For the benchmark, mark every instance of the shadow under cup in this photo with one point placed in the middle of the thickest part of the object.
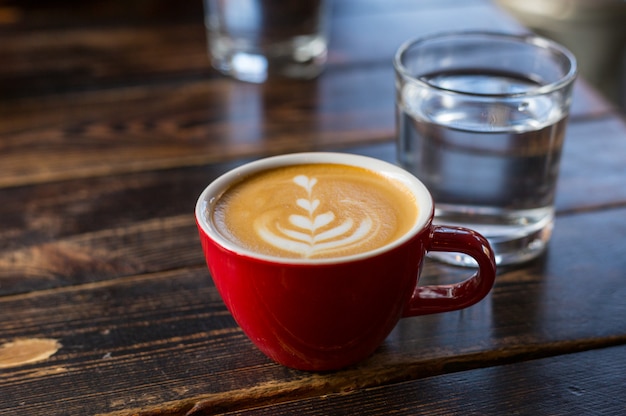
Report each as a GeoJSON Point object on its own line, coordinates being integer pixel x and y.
{"type": "Point", "coordinates": [325, 314]}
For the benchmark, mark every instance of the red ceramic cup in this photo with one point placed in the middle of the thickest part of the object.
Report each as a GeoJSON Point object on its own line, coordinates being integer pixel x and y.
{"type": "Point", "coordinates": [325, 314]}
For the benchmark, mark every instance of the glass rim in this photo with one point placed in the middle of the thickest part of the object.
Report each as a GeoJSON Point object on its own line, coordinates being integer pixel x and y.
{"type": "Point", "coordinates": [526, 38]}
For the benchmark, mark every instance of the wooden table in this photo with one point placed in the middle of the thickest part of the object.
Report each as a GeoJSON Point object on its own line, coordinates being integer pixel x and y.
{"type": "Point", "coordinates": [112, 122]}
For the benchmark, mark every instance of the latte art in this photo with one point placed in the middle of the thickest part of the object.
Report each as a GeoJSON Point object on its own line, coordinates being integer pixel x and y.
{"type": "Point", "coordinates": [315, 233]}
{"type": "Point", "coordinates": [315, 211]}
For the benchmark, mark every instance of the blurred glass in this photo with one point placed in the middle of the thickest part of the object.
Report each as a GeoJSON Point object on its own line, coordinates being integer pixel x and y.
{"type": "Point", "coordinates": [252, 40]}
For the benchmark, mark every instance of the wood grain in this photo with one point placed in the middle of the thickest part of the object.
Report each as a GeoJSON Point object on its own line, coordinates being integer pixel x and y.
{"type": "Point", "coordinates": [111, 124]}
{"type": "Point", "coordinates": [164, 341]}
{"type": "Point", "coordinates": [116, 97]}
{"type": "Point", "coordinates": [196, 124]}
{"type": "Point", "coordinates": [564, 385]}
{"type": "Point", "coordinates": [73, 231]}
{"type": "Point", "coordinates": [114, 53]}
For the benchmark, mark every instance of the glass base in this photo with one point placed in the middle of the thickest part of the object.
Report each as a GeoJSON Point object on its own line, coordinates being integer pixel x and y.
{"type": "Point", "coordinates": [302, 57]}
{"type": "Point", "coordinates": [515, 238]}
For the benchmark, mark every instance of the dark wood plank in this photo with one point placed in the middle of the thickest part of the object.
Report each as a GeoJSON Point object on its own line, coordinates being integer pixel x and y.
{"type": "Point", "coordinates": [61, 58]}
{"type": "Point", "coordinates": [205, 122]}
{"type": "Point", "coordinates": [52, 61]}
{"type": "Point", "coordinates": [588, 383]}
{"type": "Point", "coordinates": [34, 14]}
{"type": "Point", "coordinates": [112, 46]}
{"type": "Point", "coordinates": [89, 219]}
{"type": "Point", "coordinates": [593, 149]}
{"type": "Point", "coordinates": [110, 128]}
{"type": "Point", "coordinates": [164, 342]}
{"type": "Point", "coordinates": [92, 100]}
{"type": "Point", "coordinates": [88, 230]}
{"type": "Point", "coordinates": [72, 232]}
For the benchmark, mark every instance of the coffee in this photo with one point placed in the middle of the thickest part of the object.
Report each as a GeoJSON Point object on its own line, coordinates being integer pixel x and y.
{"type": "Point", "coordinates": [315, 211]}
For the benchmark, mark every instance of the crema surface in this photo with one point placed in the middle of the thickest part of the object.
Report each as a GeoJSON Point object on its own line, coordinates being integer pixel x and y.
{"type": "Point", "coordinates": [315, 211]}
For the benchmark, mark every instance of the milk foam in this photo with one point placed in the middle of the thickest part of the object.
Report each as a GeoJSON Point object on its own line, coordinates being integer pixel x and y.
{"type": "Point", "coordinates": [302, 235]}
{"type": "Point", "coordinates": [315, 211]}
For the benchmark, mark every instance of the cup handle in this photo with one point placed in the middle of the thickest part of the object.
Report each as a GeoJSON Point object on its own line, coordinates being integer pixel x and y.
{"type": "Point", "coordinates": [445, 298]}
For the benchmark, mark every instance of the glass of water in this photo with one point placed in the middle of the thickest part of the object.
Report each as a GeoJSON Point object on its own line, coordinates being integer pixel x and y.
{"type": "Point", "coordinates": [481, 119]}
{"type": "Point", "coordinates": [253, 40]}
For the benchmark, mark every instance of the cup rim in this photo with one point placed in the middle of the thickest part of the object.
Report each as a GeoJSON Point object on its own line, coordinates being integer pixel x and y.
{"type": "Point", "coordinates": [211, 194]}
{"type": "Point", "coordinates": [527, 38]}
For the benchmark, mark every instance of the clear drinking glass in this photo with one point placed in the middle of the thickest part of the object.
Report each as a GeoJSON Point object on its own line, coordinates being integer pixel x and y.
{"type": "Point", "coordinates": [481, 119]}
{"type": "Point", "coordinates": [252, 40]}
